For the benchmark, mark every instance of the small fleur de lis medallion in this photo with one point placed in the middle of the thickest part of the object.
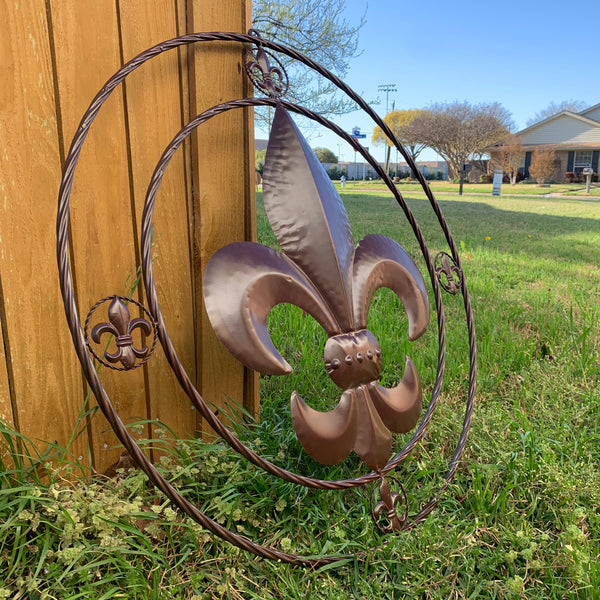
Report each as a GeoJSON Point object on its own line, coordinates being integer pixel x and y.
{"type": "Point", "coordinates": [270, 80]}
{"type": "Point", "coordinates": [449, 275]}
{"type": "Point", "coordinates": [122, 326]}
{"type": "Point", "coordinates": [386, 509]}
{"type": "Point", "coordinates": [321, 271]}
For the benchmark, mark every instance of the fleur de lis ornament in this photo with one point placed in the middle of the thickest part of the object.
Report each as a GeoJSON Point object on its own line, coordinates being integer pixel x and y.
{"type": "Point", "coordinates": [122, 326]}
{"type": "Point", "coordinates": [321, 271]}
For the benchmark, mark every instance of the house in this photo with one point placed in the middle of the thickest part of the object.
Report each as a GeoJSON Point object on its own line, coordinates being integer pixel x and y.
{"type": "Point", "coordinates": [575, 138]}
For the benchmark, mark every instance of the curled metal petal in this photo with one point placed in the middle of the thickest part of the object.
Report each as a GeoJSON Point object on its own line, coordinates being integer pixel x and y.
{"type": "Point", "coordinates": [242, 283]}
{"type": "Point", "coordinates": [373, 441]}
{"type": "Point", "coordinates": [381, 262]}
{"type": "Point", "coordinates": [399, 407]}
{"type": "Point", "coordinates": [308, 217]}
{"type": "Point", "coordinates": [327, 436]}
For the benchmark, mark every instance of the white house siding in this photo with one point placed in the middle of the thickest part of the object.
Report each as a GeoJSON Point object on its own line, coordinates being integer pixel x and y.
{"type": "Point", "coordinates": [593, 113]}
{"type": "Point", "coordinates": [564, 130]}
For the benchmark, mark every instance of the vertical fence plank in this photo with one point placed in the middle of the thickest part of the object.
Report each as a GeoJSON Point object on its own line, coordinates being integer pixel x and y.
{"type": "Point", "coordinates": [6, 407]}
{"type": "Point", "coordinates": [154, 110]}
{"type": "Point", "coordinates": [221, 195]}
{"type": "Point", "coordinates": [86, 36]}
{"type": "Point", "coordinates": [58, 55]}
{"type": "Point", "coordinates": [47, 385]}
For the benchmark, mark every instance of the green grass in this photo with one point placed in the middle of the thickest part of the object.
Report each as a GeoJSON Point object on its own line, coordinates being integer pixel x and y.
{"type": "Point", "coordinates": [521, 520]}
{"type": "Point", "coordinates": [441, 187]}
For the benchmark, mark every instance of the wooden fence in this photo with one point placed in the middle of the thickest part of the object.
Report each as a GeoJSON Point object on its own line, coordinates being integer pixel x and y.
{"type": "Point", "coordinates": [55, 56]}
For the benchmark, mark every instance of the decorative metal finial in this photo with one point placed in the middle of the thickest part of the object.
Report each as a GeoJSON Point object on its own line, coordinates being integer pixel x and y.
{"type": "Point", "coordinates": [387, 508]}
{"type": "Point", "coordinates": [448, 273]}
{"type": "Point", "coordinates": [270, 80]}
{"type": "Point", "coordinates": [121, 326]}
{"type": "Point", "coordinates": [321, 271]}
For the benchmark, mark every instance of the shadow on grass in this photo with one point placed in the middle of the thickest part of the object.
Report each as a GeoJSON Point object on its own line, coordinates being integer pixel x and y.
{"type": "Point", "coordinates": [538, 234]}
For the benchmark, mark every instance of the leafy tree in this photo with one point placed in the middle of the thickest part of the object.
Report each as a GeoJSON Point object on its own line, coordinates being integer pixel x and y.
{"type": "Point", "coordinates": [259, 160]}
{"type": "Point", "coordinates": [542, 164]}
{"type": "Point", "coordinates": [459, 130]}
{"type": "Point", "coordinates": [318, 29]}
{"type": "Point", "coordinates": [399, 122]}
{"type": "Point", "coordinates": [510, 155]}
{"type": "Point", "coordinates": [325, 155]}
{"type": "Point", "coordinates": [553, 109]}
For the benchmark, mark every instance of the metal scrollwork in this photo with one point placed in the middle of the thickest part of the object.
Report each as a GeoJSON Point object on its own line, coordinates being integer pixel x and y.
{"type": "Point", "coordinates": [320, 269]}
{"type": "Point", "coordinates": [448, 273]}
{"type": "Point", "coordinates": [121, 326]}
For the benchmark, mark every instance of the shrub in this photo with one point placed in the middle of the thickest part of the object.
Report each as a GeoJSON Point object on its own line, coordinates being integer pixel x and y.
{"type": "Point", "coordinates": [486, 178]}
{"type": "Point", "coordinates": [334, 173]}
{"type": "Point", "coordinates": [571, 177]}
{"type": "Point", "coordinates": [542, 164]}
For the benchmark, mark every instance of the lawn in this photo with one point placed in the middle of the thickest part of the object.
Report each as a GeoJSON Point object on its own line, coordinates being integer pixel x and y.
{"type": "Point", "coordinates": [521, 520]}
{"type": "Point", "coordinates": [441, 187]}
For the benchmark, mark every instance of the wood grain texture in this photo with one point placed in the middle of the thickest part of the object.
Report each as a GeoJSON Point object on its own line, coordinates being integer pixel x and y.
{"type": "Point", "coordinates": [86, 36]}
{"type": "Point", "coordinates": [222, 191]}
{"type": "Point", "coordinates": [46, 378]}
{"type": "Point", "coordinates": [154, 111]}
{"type": "Point", "coordinates": [57, 55]}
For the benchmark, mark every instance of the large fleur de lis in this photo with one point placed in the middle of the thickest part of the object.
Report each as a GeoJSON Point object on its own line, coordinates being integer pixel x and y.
{"type": "Point", "coordinates": [321, 271]}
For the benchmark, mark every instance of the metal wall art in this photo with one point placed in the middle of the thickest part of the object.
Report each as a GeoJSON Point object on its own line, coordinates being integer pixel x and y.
{"type": "Point", "coordinates": [319, 269]}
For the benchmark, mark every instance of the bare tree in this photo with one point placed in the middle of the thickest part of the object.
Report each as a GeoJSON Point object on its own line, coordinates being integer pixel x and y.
{"type": "Point", "coordinates": [510, 157]}
{"type": "Point", "coordinates": [319, 29]}
{"type": "Point", "coordinates": [553, 109]}
{"type": "Point", "coordinates": [399, 122]}
{"type": "Point", "coordinates": [459, 130]}
{"type": "Point", "coordinates": [542, 164]}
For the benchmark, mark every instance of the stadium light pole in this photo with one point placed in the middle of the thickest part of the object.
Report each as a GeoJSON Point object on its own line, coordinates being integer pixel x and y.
{"type": "Point", "coordinates": [387, 88]}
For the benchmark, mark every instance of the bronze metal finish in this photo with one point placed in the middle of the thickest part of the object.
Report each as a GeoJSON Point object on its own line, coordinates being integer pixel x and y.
{"type": "Point", "coordinates": [448, 273]}
{"type": "Point", "coordinates": [342, 301]}
{"type": "Point", "coordinates": [321, 271]}
{"type": "Point", "coordinates": [270, 80]}
{"type": "Point", "coordinates": [121, 326]}
{"type": "Point", "coordinates": [387, 507]}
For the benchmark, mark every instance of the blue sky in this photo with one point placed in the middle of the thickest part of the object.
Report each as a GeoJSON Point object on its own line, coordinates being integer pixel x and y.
{"type": "Point", "coordinates": [522, 54]}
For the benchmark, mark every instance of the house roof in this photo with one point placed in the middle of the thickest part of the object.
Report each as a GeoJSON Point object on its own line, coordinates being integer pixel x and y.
{"type": "Point", "coordinates": [564, 113]}
{"type": "Point", "coordinates": [261, 144]}
{"type": "Point", "coordinates": [583, 132]}
{"type": "Point", "coordinates": [589, 109]}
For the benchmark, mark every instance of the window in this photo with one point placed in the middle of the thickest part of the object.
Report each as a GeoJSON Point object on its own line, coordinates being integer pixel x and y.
{"type": "Point", "coordinates": [582, 159]}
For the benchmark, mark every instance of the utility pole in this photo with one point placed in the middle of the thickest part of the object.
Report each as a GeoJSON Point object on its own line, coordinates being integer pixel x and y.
{"type": "Point", "coordinates": [387, 88]}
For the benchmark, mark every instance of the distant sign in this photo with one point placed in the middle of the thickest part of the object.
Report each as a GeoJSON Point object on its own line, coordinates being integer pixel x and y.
{"type": "Point", "coordinates": [357, 135]}
{"type": "Point", "coordinates": [497, 183]}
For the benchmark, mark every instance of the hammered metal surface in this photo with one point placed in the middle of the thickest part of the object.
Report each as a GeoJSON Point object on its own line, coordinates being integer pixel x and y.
{"type": "Point", "coordinates": [320, 270]}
